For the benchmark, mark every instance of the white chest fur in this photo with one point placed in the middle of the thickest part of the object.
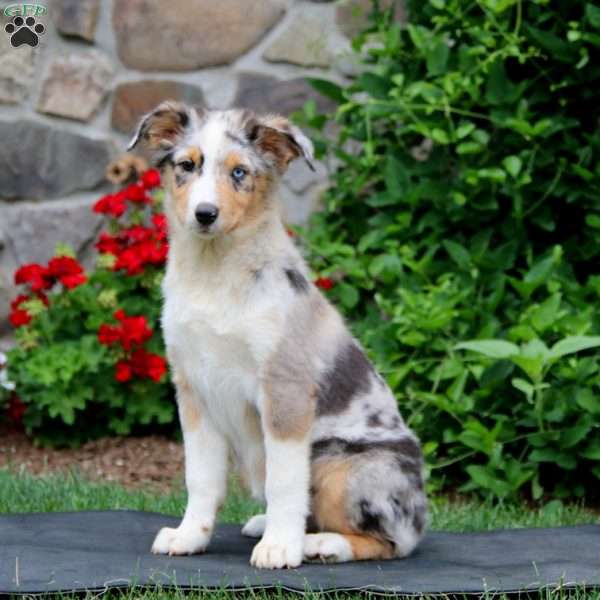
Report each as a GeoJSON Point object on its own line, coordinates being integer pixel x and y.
{"type": "Point", "coordinates": [220, 333]}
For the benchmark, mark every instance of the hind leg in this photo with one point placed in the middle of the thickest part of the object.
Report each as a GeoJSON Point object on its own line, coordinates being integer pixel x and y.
{"type": "Point", "coordinates": [339, 547]}
{"type": "Point", "coordinates": [368, 506]}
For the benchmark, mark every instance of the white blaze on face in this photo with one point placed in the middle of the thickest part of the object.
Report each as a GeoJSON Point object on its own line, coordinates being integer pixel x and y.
{"type": "Point", "coordinates": [212, 141]}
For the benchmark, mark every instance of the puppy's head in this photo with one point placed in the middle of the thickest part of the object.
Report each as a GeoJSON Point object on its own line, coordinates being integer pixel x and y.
{"type": "Point", "coordinates": [219, 167]}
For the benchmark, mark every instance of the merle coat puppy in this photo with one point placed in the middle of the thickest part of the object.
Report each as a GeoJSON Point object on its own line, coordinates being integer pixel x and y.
{"type": "Point", "coordinates": [266, 371]}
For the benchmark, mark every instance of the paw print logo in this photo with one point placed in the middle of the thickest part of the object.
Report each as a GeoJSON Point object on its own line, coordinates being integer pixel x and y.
{"type": "Point", "coordinates": [24, 31]}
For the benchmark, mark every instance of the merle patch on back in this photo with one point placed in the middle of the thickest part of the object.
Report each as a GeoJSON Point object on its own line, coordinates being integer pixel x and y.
{"type": "Point", "coordinates": [350, 375]}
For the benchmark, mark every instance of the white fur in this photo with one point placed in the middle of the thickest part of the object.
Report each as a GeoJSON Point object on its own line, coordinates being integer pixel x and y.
{"type": "Point", "coordinates": [206, 478]}
{"type": "Point", "coordinates": [255, 526]}
{"type": "Point", "coordinates": [327, 547]}
{"type": "Point", "coordinates": [287, 491]}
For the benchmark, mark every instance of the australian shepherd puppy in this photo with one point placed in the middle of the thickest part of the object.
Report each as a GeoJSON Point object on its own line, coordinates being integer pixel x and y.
{"type": "Point", "coordinates": [267, 374]}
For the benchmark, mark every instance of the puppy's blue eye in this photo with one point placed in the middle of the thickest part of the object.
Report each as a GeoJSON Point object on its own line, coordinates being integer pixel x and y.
{"type": "Point", "coordinates": [238, 173]}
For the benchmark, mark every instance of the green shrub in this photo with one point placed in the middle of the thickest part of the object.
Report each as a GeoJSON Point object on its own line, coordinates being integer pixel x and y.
{"type": "Point", "coordinates": [465, 206]}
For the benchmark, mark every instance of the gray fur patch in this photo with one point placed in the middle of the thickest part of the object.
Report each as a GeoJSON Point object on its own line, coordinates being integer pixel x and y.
{"type": "Point", "coordinates": [350, 375]}
{"type": "Point", "coordinates": [297, 280]}
{"type": "Point", "coordinates": [406, 447]}
{"type": "Point", "coordinates": [181, 177]}
{"type": "Point", "coordinates": [370, 518]}
{"type": "Point", "coordinates": [374, 420]}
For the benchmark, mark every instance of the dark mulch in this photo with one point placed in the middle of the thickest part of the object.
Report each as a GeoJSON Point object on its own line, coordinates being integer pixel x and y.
{"type": "Point", "coordinates": [135, 462]}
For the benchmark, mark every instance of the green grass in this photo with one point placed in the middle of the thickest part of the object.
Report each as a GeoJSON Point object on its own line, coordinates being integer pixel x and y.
{"type": "Point", "coordinates": [25, 493]}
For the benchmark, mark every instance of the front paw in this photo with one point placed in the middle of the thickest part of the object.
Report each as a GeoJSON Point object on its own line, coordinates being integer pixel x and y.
{"type": "Point", "coordinates": [273, 554]}
{"type": "Point", "coordinates": [181, 541]}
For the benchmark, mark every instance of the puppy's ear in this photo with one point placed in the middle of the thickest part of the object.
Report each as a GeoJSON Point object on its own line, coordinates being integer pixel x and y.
{"type": "Point", "coordinates": [279, 140]}
{"type": "Point", "coordinates": [160, 129]}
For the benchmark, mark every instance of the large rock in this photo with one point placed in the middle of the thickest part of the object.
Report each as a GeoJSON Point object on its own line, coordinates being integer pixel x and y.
{"type": "Point", "coordinates": [76, 18]}
{"type": "Point", "coordinates": [305, 42]}
{"type": "Point", "coordinates": [30, 232]}
{"type": "Point", "coordinates": [352, 16]}
{"type": "Point", "coordinates": [156, 35]}
{"type": "Point", "coordinates": [17, 70]}
{"type": "Point", "coordinates": [132, 100]}
{"type": "Point", "coordinates": [296, 209]}
{"type": "Point", "coordinates": [38, 161]}
{"type": "Point", "coordinates": [263, 94]}
{"type": "Point", "coordinates": [75, 85]}
{"type": "Point", "coordinates": [33, 229]}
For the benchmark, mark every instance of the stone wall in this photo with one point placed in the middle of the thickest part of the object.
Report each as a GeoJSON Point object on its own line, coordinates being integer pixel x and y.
{"type": "Point", "coordinates": [68, 105]}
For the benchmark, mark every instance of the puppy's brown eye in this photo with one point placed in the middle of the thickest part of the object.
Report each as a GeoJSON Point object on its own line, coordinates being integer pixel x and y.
{"type": "Point", "coordinates": [187, 165]}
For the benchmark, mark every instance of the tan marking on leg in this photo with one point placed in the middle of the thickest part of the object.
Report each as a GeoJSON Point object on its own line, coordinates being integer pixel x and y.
{"type": "Point", "coordinates": [189, 411]}
{"type": "Point", "coordinates": [290, 409]}
{"type": "Point", "coordinates": [329, 480]}
{"type": "Point", "coordinates": [367, 547]}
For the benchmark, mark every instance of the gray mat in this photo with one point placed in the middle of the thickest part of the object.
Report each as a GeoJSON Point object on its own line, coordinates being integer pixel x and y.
{"type": "Point", "coordinates": [97, 550]}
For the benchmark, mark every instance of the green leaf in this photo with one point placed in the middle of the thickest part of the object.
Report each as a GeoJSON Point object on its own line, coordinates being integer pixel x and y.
{"type": "Point", "coordinates": [578, 432]}
{"type": "Point", "coordinates": [513, 165]}
{"type": "Point", "coordinates": [593, 221]}
{"type": "Point", "coordinates": [440, 136]}
{"type": "Point", "coordinates": [545, 314]}
{"type": "Point", "coordinates": [588, 400]}
{"type": "Point", "coordinates": [469, 148]}
{"type": "Point", "coordinates": [552, 455]}
{"type": "Point", "coordinates": [573, 344]}
{"type": "Point", "coordinates": [490, 348]}
{"type": "Point", "coordinates": [437, 57]}
{"type": "Point", "coordinates": [554, 45]}
{"type": "Point", "coordinates": [592, 14]}
{"type": "Point", "coordinates": [464, 129]}
{"type": "Point", "coordinates": [459, 254]}
{"type": "Point", "coordinates": [592, 450]}
{"type": "Point", "coordinates": [486, 478]}
{"type": "Point", "coordinates": [395, 177]}
{"type": "Point", "coordinates": [523, 386]}
{"type": "Point", "coordinates": [348, 295]}
{"type": "Point", "coordinates": [327, 88]}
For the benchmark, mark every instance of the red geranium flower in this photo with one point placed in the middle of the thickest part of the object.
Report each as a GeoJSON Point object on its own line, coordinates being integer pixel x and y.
{"type": "Point", "coordinates": [108, 244]}
{"type": "Point", "coordinates": [146, 364]}
{"type": "Point", "coordinates": [137, 193]}
{"type": "Point", "coordinates": [35, 275]}
{"type": "Point", "coordinates": [111, 204]}
{"type": "Point", "coordinates": [16, 409]}
{"type": "Point", "coordinates": [123, 371]}
{"type": "Point", "coordinates": [324, 283]}
{"type": "Point", "coordinates": [134, 331]}
{"type": "Point", "coordinates": [129, 260]}
{"type": "Point", "coordinates": [19, 317]}
{"type": "Point", "coordinates": [67, 270]}
{"type": "Point", "coordinates": [160, 221]}
{"type": "Point", "coordinates": [136, 233]}
{"type": "Point", "coordinates": [150, 179]}
{"type": "Point", "coordinates": [109, 334]}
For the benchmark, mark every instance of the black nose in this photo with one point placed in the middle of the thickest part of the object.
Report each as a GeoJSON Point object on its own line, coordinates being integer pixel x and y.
{"type": "Point", "coordinates": [206, 214]}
